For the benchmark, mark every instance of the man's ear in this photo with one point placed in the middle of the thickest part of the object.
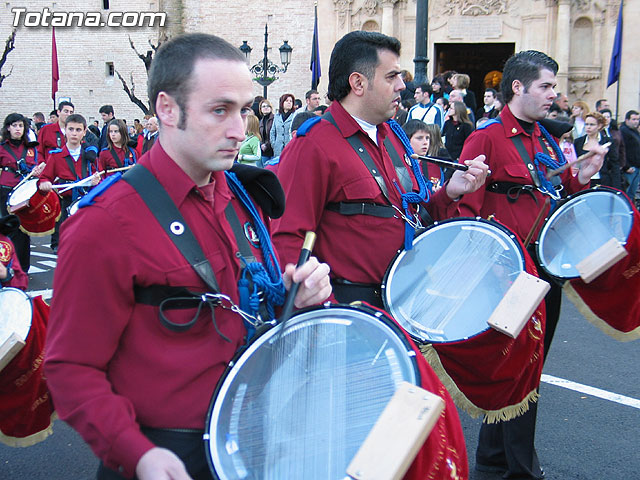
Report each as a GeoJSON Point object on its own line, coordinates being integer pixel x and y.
{"type": "Point", "coordinates": [167, 109]}
{"type": "Point", "coordinates": [358, 83]}
{"type": "Point", "coordinates": [517, 87]}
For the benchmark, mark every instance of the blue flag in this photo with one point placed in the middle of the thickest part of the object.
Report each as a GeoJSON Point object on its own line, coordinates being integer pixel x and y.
{"type": "Point", "coordinates": [616, 53]}
{"type": "Point", "coordinates": [315, 56]}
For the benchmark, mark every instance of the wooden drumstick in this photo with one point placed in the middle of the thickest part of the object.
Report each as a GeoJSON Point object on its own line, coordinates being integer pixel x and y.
{"type": "Point", "coordinates": [584, 156]}
{"type": "Point", "coordinates": [29, 175]}
{"type": "Point", "coordinates": [536, 222]}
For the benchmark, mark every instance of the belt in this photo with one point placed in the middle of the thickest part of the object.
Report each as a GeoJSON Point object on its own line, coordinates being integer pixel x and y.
{"type": "Point", "coordinates": [512, 190]}
{"type": "Point", "coordinates": [371, 209]}
{"type": "Point", "coordinates": [346, 292]}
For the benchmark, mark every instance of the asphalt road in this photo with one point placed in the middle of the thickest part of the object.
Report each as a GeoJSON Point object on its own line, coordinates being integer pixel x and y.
{"type": "Point", "coordinates": [580, 436]}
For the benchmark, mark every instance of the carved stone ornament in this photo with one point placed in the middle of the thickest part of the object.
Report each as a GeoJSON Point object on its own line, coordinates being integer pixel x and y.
{"type": "Point", "coordinates": [370, 6]}
{"type": "Point", "coordinates": [342, 8]}
{"type": "Point", "coordinates": [581, 5]}
{"type": "Point", "coordinates": [474, 7]}
{"type": "Point", "coordinates": [580, 89]}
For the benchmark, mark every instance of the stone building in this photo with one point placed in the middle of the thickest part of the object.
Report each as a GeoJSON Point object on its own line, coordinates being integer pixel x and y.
{"type": "Point", "coordinates": [471, 36]}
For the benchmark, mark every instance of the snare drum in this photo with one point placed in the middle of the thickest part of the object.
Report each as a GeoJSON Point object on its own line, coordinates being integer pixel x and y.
{"type": "Point", "coordinates": [38, 213]}
{"type": "Point", "coordinates": [581, 225]}
{"type": "Point", "coordinates": [443, 291]}
{"type": "Point", "coordinates": [26, 410]}
{"type": "Point", "coordinates": [299, 404]}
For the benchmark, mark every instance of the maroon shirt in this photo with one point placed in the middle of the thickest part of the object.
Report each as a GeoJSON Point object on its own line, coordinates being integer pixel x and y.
{"type": "Point", "coordinates": [506, 165]}
{"type": "Point", "coordinates": [58, 167]}
{"type": "Point", "coordinates": [111, 366]}
{"type": "Point", "coordinates": [9, 258]}
{"type": "Point", "coordinates": [50, 137]}
{"type": "Point", "coordinates": [107, 162]}
{"type": "Point", "coordinates": [7, 177]}
{"type": "Point", "coordinates": [321, 168]}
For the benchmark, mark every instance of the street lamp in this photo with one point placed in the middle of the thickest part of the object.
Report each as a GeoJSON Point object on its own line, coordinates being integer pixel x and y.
{"type": "Point", "coordinates": [266, 72]}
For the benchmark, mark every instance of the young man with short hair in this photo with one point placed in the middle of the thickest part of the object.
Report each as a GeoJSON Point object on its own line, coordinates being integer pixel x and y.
{"type": "Point", "coordinates": [425, 110]}
{"type": "Point", "coordinates": [69, 164]}
{"type": "Point", "coordinates": [51, 136]}
{"type": "Point", "coordinates": [107, 114]}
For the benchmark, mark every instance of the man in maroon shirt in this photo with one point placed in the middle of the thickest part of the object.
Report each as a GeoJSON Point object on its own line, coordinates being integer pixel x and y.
{"type": "Point", "coordinates": [51, 136]}
{"type": "Point", "coordinates": [329, 189]}
{"type": "Point", "coordinates": [116, 372]}
{"type": "Point", "coordinates": [527, 85]}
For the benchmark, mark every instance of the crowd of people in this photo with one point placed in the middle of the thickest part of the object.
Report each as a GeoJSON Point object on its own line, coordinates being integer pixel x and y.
{"type": "Point", "coordinates": [346, 174]}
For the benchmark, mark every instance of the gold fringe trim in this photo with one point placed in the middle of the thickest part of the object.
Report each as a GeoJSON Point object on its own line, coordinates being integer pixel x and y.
{"type": "Point", "coordinates": [31, 439]}
{"type": "Point", "coordinates": [592, 318]}
{"type": "Point", "coordinates": [460, 399]}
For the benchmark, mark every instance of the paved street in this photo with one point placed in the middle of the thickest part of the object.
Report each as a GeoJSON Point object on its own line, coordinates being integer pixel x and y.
{"type": "Point", "coordinates": [581, 436]}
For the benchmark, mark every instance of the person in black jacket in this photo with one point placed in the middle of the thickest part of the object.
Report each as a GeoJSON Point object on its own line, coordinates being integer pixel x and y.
{"type": "Point", "coordinates": [609, 174]}
{"type": "Point", "coordinates": [457, 128]}
{"type": "Point", "coordinates": [631, 139]}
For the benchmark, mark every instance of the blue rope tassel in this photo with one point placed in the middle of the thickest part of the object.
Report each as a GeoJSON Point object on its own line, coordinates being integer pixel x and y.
{"type": "Point", "coordinates": [550, 163]}
{"type": "Point", "coordinates": [267, 277]}
{"type": "Point", "coordinates": [425, 187]}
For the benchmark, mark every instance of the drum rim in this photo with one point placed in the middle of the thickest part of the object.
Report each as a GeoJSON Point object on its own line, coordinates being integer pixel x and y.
{"type": "Point", "coordinates": [547, 221]}
{"type": "Point", "coordinates": [381, 316]}
{"type": "Point", "coordinates": [31, 181]}
{"type": "Point", "coordinates": [512, 236]}
{"type": "Point", "coordinates": [30, 302]}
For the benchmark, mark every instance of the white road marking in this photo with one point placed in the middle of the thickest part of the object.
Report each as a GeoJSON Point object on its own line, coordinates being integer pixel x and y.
{"type": "Point", "coordinates": [48, 293]}
{"type": "Point", "coordinates": [34, 269]}
{"type": "Point", "coordinates": [48, 263]}
{"type": "Point", "coordinates": [42, 254]}
{"type": "Point", "coordinates": [594, 392]}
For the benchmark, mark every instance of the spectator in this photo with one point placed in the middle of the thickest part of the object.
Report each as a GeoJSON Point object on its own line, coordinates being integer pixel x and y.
{"type": "Point", "coordinates": [578, 112]}
{"type": "Point", "coordinates": [489, 109]}
{"type": "Point", "coordinates": [281, 128]}
{"type": "Point", "coordinates": [437, 88]}
{"type": "Point", "coordinates": [151, 136]}
{"type": "Point", "coordinates": [631, 138]}
{"type": "Point", "coordinates": [38, 121]}
{"type": "Point", "coordinates": [108, 114]}
{"type": "Point", "coordinates": [602, 104]}
{"type": "Point", "coordinates": [426, 140]}
{"type": "Point", "coordinates": [461, 82]}
{"type": "Point", "coordinates": [456, 129]}
{"type": "Point", "coordinates": [409, 86]}
{"type": "Point", "coordinates": [249, 151]}
{"type": "Point", "coordinates": [266, 122]}
{"type": "Point", "coordinates": [51, 137]}
{"type": "Point", "coordinates": [424, 110]}
{"type": "Point", "coordinates": [609, 174]}
{"type": "Point", "coordinates": [611, 130]}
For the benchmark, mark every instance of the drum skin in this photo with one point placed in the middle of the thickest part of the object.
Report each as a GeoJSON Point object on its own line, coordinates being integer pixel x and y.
{"type": "Point", "coordinates": [442, 456]}
{"type": "Point", "coordinates": [490, 373]}
{"type": "Point", "coordinates": [612, 300]}
{"type": "Point", "coordinates": [26, 409]}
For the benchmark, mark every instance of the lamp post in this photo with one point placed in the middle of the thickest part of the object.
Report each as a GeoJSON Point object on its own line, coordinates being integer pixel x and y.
{"type": "Point", "coordinates": [266, 72]}
{"type": "Point", "coordinates": [421, 60]}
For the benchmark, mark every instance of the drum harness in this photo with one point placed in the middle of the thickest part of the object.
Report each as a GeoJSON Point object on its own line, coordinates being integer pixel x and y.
{"type": "Point", "coordinates": [129, 158]}
{"type": "Point", "coordinates": [552, 188]}
{"type": "Point", "coordinates": [85, 168]}
{"type": "Point", "coordinates": [23, 169]}
{"type": "Point", "coordinates": [260, 286]}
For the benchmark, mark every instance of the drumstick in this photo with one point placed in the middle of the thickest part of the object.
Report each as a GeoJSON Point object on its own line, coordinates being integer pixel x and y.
{"type": "Point", "coordinates": [29, 175]}
{"type": "Point", "coordinates": [537, 221]}
{"type": "Point", "coordinates": [584, 156]}
{"type": "Point", "coordinates": [305, 253]}
{"type": "Point", "coordinates": [113, 170]}
{"type": "Point", "coordinates": [442, 162]}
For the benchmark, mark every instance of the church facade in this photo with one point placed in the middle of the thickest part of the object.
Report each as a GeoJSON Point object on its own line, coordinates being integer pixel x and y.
{"type": "Point", "coordinates": [469, 36]}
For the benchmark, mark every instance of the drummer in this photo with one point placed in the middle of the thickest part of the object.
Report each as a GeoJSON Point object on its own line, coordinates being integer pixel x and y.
{"type": "Point", "coordinates": [18, 157]}
{"type": "Point", "coordinates": [11, 273]}
{"type": "Point", "coordinates": [330, 190]}
{"type": "Point", "coordinates": [117, 153]}
{"type": "Point", "coordinates": [515, 195]}
{"type": "Point", "coordinates": [136, 390]}
{"type": "Point", "coordinates": [73, 162]}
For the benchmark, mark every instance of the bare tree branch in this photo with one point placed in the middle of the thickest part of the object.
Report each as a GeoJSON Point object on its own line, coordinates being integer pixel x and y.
{"type": "Point", "coordinates": [8, 47]}
{"type": "Point", "coordinates": [146, 59]}
{"type": "Point", "coordinates": [131, 93]}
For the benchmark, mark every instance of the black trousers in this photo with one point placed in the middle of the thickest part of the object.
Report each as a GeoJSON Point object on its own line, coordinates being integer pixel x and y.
{"type": "Point", "coordinates": [510, 445]}
{"type": "Point", "coordinates": [189, 446]}
{"type": "Point", "coordinates": [65, 202]}
{"type": "Point", "coordinates": [21, 241]}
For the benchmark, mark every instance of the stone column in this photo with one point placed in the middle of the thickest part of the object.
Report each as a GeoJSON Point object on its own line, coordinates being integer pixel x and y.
{"type": "Point", "coordinates": [343, 17]}
{"type": "Point", "coordinates": [563, 35]}
{"type": "Point", "coordinates": [387, 17]}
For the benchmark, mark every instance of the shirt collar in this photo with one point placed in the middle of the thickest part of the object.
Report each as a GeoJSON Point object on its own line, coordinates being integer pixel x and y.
{"type": "Point", "coordinates": [511, 125]}
{"type": "Point", "coordinates": [348, 125]}
{"type": "Point", "coordinates": [177, 183]}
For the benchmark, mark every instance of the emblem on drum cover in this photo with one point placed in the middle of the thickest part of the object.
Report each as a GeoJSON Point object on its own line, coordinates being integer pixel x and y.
{"type": "Point", "coordinates": [46, 208]}
{"type": "Point", "coordinates": [251, 235]}
{"type": "Point", "coordinates": [535, 327]}
{"type": "Point", "coordinates": [6, 251]}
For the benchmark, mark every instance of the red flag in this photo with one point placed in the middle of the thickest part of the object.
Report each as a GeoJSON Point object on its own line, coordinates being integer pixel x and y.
{"type": "Point", "coordinates": [55, 75]}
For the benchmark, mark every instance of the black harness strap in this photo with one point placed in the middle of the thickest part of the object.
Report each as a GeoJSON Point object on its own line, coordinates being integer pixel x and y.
{"type": "Point", "coordinates": [116, 157]}
{"type": "Point", "coordinates": [371, 209]}
{"type": "Point", "coordinates": [524, 155]}
{"type": "Point", "coordinates": [59, 138]}
{"type": "Point", "coordinates": [13, 154]}
{"type": "Point", "coordinates": [512, 190]}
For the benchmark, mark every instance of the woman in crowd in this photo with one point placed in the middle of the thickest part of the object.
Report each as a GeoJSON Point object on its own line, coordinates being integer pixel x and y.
{"type": "Point", "coordinates": [610, 172]}
{"type": "Point", "coordinates": [249, 152]}
{"type": "Point", "coordinates": [578, 112]}
{"type": "Point", "coordinates": [437, 87]}
{"type": "Point", "coordinates": [457, 127]}
{"type": "Point", "coordinates": [118, 153]}
{"type": "Point", "coordinates": [281, 129]}
{"type": "Point", "coordinates": [461, 81]}
{"type": "Point", "coordinates": [266, 122]}
{"type": "Point", "coordinates": [18, 156]}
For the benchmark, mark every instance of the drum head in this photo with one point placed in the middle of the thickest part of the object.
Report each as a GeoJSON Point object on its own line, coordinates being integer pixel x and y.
{"type": "Point", "coordinates": [579, 227]}
{"type": "Point", "coordinates": [73, 208]}
{"type": "Point", "coordinates": [23, 193]}
{"type": "Point", "coordinates": [446, 287]}
{"type": "Point", "coordinates": [301, 403]}
{"type": "Point", "coordinates": [15, 313]}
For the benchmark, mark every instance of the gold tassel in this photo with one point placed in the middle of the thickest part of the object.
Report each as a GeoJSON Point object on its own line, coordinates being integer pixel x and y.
{"type": "Point", "coordinates": [460, 399]}
{"type": "Point", "coordinates": [593, 319]}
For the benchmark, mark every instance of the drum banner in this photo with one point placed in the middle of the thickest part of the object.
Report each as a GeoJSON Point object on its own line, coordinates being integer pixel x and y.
{"type": "Point", "coordinates": [612, 301]}
{"type": "Point", "coordinates": [39, 218]}
{"type": "Point", "coordinates": [26, 409]}
{"type": "Point", "coordinates": [492, 374]}
{"type": "Point", "coordinates": [444, 454]}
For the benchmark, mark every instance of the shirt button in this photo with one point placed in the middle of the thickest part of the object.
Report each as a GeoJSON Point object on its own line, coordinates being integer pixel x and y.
{"type": "Point", "coordinates": [514, 130]}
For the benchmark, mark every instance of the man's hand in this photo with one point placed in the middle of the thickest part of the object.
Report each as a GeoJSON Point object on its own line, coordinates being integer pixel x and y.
{"type": "Point", "coordinates": [3, 271]}
{"type": "Point", "coordinates": [95, 178]}
{"type": "Point", "coordinates": [161, 464]}
{"type": "Point", "coordinates": [592, 164]}
{"type": "Point", "coordinates": [37, 170]}
{"type": "Point", "coordinates": [313, 278]}
{"type": "Point", "coordinates": [45, 186]}
{"type": "Point", "coordinates": [469, 181]}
